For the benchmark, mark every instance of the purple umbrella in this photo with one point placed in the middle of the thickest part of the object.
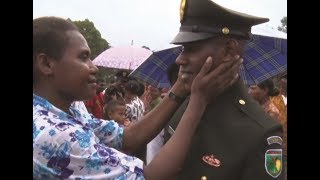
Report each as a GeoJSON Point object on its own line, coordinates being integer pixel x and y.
{"type": "Point", "coordinates": [122, 57]}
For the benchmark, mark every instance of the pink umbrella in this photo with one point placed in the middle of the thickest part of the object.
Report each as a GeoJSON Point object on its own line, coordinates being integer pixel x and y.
{"type": "Point", "coordinates": [122, 57]}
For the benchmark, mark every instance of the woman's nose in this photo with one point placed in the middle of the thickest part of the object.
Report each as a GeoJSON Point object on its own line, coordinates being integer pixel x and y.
{"type": "Point", "coordinates": [93, 68]}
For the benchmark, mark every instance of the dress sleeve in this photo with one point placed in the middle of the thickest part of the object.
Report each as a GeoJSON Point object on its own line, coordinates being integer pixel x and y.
{"type": "Point", "coordinates": [66, 150]}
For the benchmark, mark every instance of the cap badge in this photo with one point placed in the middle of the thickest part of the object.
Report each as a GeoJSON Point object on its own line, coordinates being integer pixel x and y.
{"type": "Point", "coordinates": [211, 160]}
{"type": "Point", "coordinates": [182, 8]}
{"type": "Point", "coordinates": [225, 30]}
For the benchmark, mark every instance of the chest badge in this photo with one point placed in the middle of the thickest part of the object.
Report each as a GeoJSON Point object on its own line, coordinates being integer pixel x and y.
{"type": "Point", "coordinates": [211, 160]}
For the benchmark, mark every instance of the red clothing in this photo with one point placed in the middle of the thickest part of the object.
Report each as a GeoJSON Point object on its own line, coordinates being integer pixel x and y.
{"type": "Point", "coordinates": [96, 105]}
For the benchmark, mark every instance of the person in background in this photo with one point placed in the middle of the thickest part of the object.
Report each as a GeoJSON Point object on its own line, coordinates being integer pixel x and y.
{"type": "Point", "coordinates": [135, 109]}
{"type": "Point", "coordinates": [113, 92]}
{"type": "Point", "coordinates": [134, 105]}
{"type": "Point", "coordinates": [116, 110]}
{"type": "Point", "coordinates": [262, 93]}
{"type": "Point", "coordinates": [172, 74]}
{"type": "Point", "coordinates": [95, 104]}
{"type": "Point", "coordinates": [155, 94]}
{"type": "Point", "coordinates": [154, 146]}
{"type": "Point", "coordinates": [280, 101]}
{"type": "Point", "coordinates": [283, 88]}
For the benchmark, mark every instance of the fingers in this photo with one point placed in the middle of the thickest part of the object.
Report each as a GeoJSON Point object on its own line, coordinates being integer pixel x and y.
{"type": "Point", "coordinates": [226, 73]}
{"type": "Point", "coordinates": [206, 67]}
{"type": "Point", "coordinates": [228, 66]}
{"type": "Point", "coordinates": [226, 59]}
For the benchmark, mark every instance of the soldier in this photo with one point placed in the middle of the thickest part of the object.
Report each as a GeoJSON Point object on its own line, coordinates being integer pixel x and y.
{"type": "Point", "coordinates": [235, 139]}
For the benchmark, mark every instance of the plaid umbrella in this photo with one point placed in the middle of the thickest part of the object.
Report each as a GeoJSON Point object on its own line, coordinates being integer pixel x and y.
{"type": "Point", "coordinates": [154, 69]}
{"type": "Point", "coordinates": [264, 57]}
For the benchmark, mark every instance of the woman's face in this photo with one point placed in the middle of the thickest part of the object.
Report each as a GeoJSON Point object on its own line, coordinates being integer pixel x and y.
{"type": "Point", "coordinates": [128, 96]}
{"type": "Point", "coordinates": [256, 92]}
{"type": "Point", "coordinates": [74, 74]}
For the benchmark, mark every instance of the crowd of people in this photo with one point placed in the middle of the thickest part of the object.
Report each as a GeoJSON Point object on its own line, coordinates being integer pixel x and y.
{"type": "Point", "coordinates": [208, 125]}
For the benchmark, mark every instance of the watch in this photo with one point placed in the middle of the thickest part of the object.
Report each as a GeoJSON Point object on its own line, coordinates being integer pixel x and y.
{"type": "Point", "coordinates": [176, 98]}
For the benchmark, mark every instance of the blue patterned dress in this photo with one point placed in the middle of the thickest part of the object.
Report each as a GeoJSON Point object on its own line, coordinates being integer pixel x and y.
{"type": "Point", "coordinates": [78, 146]}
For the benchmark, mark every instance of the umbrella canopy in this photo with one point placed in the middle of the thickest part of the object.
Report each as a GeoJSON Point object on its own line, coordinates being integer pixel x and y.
{"type": "Point", "coordinates": [264, 57]}
{"type": "Point", "coordinates": [154, 69]}
{"type": "Point", "coordinates": [122, 57]}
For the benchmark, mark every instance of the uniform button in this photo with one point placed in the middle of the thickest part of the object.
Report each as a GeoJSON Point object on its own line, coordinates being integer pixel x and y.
{"type": "Point", "coordinates": [225, 30]}
{"type": "Point", "coordinates": [242, 102]}
{"type": "Point", "coordinates": [203, 178]}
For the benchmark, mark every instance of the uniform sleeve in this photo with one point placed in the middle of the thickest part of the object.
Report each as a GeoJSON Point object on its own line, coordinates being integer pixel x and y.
{"type": "Point", "coordinates": [266, 161]}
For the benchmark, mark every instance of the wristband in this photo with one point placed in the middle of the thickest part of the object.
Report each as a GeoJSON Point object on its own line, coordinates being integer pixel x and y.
{"type": "Point", "coordinates": [176, 98]}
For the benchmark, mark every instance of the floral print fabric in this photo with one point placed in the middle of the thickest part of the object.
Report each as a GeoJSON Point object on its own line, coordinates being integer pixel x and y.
{"type": "Point", "coordinates": [78, 146]}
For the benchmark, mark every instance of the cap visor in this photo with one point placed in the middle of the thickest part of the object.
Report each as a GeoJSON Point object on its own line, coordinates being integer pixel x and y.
{"type": "Point", "coordinates": [185, 37]}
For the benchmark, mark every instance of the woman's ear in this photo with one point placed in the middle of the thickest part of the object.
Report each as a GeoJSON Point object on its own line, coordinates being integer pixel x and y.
{"type": "Point", "coordinates": [44, 64]}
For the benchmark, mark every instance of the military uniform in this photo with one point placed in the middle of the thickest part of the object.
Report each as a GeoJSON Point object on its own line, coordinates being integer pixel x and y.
{"type": "Point", "coordinates": [235, 139]}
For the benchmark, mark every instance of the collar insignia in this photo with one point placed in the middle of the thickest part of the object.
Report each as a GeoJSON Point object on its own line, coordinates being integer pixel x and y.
{"type": "Point", "coordinates": [211, 160]}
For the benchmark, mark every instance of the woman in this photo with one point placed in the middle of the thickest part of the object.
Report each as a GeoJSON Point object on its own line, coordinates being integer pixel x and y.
{"type": "Point", "coordinates": [70, 143]}
{"type": "Point", "coordinates": [262, 93]}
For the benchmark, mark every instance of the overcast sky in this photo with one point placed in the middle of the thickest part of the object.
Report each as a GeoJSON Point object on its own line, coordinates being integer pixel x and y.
{"type": "Point", "coordinates": [151, 23]}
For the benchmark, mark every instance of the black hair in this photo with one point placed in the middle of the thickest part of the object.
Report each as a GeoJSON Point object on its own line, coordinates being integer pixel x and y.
{"type": "Point", "coordinates": [111, 91]}
{"type": "Point", "coordinates": [122, 76]}
{"type": "Point", "coordinates": [141, 89]}
{"type": "Point", "coordinates": [49, 36]}
{"type": "Point", "coordinates": [272, 90]}
{"type": "Point", "coordinates": [172, 73]}
{"type": "Point", "coordinates": [133, 87]}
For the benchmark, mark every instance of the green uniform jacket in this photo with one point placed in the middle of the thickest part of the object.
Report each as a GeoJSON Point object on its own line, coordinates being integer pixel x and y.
{"type": "Point", "coordinates": [231, 141]}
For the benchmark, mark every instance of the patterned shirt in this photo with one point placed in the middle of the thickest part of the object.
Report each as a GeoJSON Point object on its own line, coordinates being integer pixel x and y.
{"type": "Point", "coordinates": [135, 110]}
{"type": "Point", "coordinates": [78, 146]}
{"type": "Point", "coordinates": [272, 110]}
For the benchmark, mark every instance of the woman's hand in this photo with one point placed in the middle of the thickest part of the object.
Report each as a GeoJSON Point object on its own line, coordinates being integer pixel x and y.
{"type": "Point", "coordinates": [210, 82]}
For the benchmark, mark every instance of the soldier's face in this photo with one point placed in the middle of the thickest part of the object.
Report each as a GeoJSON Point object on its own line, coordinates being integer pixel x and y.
{"type": "Point", "coordinates": [194, 55]}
